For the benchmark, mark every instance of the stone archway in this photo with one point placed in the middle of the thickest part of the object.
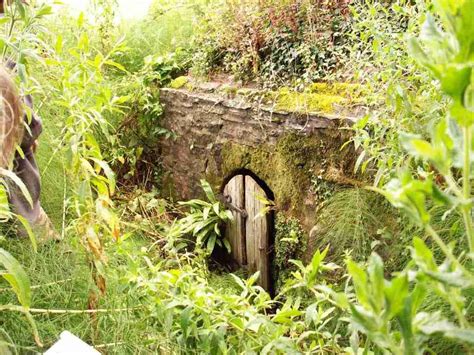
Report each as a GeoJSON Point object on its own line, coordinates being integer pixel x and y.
{"type": "Point", "coordinates": [250, 233]}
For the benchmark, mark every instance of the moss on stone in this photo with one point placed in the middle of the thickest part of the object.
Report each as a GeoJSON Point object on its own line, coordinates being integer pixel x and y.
{"type": "Point", "coordinates": [287, 167]}
{"type": "Point", "coordinates": [229, 89]}
{"type": "Point", "coordinates": [293, 101]}
{"type": "Point", "coordinates": [190, 87]}
{"type": "Point", "coordinates": [248, 92]}
{"type": "Point", "coordinates": [179, 82]}
{"type": "Point", "coordinates": [316, 98]}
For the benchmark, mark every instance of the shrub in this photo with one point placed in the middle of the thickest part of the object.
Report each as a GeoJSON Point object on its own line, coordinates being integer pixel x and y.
{"type": "Point", "coordinates": [274, 41]}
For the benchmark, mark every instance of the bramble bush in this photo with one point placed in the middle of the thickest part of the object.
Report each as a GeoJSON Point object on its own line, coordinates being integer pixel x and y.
{"type": "Point", "coordinates": [275, 42]}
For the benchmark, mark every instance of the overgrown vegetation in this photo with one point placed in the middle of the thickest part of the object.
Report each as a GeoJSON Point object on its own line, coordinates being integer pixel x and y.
{"type": "Point", "coordinates": [132, 274]}
{"type": "Point", "coordinates": [362, 221]}
{"type": "Point", "coordinates": [290, 244]}
{"type": "Point", "coordinates": [276, 42]}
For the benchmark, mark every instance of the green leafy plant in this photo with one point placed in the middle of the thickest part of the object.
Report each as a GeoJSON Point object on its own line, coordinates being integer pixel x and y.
{"type": "Point", "coordinates": [203, 222]}
{"type": "Point", "coordinates": [132, 149]}
{"type": "Point", "coordinates": [19, 282]}
{"type": "Point", "coordinates": [199, 316]}
{"type": "Point", "coordinates": [447, 53]}
{"type": "Point", "coordinates": [87, 100]}
{"type": "Point", "coordinates": [167, 28]}
{"type": "Point", "coordinates": [400, 95]}
{"type": "Point", "coordinates": [18, 22]}
{"type": "Point", "coordinates": [75, 82]}
{"type": "Point", "coordinates": [290, 244]}
{"type": "Point", "coordinates": [361, 221]}
{"type": "Point", "coordinates": [275, 42]}
{"type": "Point", "coordinates": [380, 303]}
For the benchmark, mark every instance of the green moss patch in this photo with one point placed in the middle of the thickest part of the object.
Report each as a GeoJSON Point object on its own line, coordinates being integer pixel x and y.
{"type": "Point", "coordinates": [318, 97]}
{"type": "Point", "coordinates": [315, 98]}
{"type": "Point", "coordinates": [346, 90]}
{"type": "Point", "coordinates": [286, 167]}
{"type": "Point", "coordinates": [293, 101]}
{"type": "Point", "coordinates": [179, 82]}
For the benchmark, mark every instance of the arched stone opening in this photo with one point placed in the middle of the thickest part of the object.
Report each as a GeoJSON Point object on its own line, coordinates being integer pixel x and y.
{"type": "Point", "coordinates": [251, 233]}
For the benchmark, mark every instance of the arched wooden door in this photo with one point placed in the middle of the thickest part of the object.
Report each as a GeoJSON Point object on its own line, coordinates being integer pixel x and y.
{"type": "Point", "coordinates": [249, 232]}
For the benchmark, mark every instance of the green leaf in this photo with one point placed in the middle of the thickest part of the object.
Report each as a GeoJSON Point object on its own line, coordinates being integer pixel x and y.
{"type": "Point", "coordinates": [430, 30]}
{"type": "Point", "coordinates": [415, 50]}
{"type": "Point", "coordinates": [211, 242]}
{"type": "Point", "coordinates": [21, 9]}
{"type": "Point", "coordinates": [359, 161]}
{"type": "Point", "coordinates": [116, 65]}
{"type": "Point", "coordinates": [406, 326]}
{"type": "Point", "coordinates": [453, 279]}
{"type": "Point", "coordinates": [377, 281]}
{"type": "Point", "coordinates": [423, 148]}
{"type": "Point", "coordinates": [29, 231]}
{"type": "Point", "coordinates": [417, 297]}
{"type": "Point", "coordinates": [286, 316]}
{"type": "Point", "coordinates": [396, 293]}
{"type": "Point", "coordinates": [16, 277]}
{"type": "Point", "coordinates": [216, 207]}
{"type": "Point", "coordinates": [44, 10]}
{"type": "Point", "coordinates": [206, 212]}
{"type": "Point", "coordinates": [18, 182]}
{"type": "Point", "coordinates": [208, 191]}
{"type": "Point", "coordinates": [80, 20]}
{"type": "Point", "coordinates": [59, 44]}
{"type": "Point", "coordinates": [449, 330]}
{"type": "Point", "coordinates": [217, 230]}
{"type": "Point", "coordinates": [359, 278]}
{"type": "Point", "coordinates": [423, 254]}
{"type": "Point", "coordinates": [108, 172]}
{"type": "Point", "coordinates": [227, 245]}
{"type": "Point", "coordinates": [363, 319]}
{"type": "Point", "coordinates": [468, 99]}
{"type": "Point", "coordinates": [454, 80]}
{"type": "Point", "coordinates": [229, 216]}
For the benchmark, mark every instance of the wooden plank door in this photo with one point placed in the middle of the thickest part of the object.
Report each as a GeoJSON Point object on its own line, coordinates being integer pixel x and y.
{"type": "Point", "coordinates": [235, 231]}
{"type": "Point", "coordinates": [256, 232]}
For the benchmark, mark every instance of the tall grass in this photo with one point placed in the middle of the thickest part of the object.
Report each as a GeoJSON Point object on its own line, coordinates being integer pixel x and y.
{"type": "Point", "coordinates": [61, 282]}
{"type": "Point", "coordinates": [51, 165]}
{"type": "Point", "coordinates": [164, 30]}
{"type": "Point", "coordinates": [360, 221]}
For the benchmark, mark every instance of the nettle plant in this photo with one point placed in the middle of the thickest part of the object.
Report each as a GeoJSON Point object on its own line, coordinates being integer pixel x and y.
{"type": "Point", "coordinates": [445, 47]}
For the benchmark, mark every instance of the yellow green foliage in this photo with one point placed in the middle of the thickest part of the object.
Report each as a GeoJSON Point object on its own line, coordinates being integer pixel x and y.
{"type": "Point", "coordinates": [293, 101]}
{"type": "Point", "coordinates": [346, 90]}
{"type": "Point", "coordinates": [179, 82]}
{"type": "Point", "coordinates": [318, 97]}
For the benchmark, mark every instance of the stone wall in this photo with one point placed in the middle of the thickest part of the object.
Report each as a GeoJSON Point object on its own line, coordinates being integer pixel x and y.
{"type": "Point", "coordinates": [296, 155]}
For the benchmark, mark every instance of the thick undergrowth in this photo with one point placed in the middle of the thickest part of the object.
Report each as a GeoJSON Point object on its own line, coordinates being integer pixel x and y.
{"type": "Point", "coordinates": [392, 270]}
